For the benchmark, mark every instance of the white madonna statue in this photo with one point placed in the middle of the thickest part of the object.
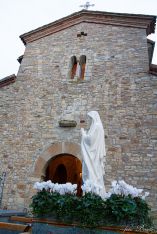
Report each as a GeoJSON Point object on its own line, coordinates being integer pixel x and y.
{"type": "Point", "coordinates": [93, 152]}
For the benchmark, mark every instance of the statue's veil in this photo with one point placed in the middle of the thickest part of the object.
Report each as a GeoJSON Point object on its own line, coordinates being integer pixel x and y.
{"type": "Point", "coordinates": [93, 150]}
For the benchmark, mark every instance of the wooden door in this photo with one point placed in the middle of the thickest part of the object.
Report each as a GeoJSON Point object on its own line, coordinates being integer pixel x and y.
{"type": "Point", "coordinates": [64, 168]}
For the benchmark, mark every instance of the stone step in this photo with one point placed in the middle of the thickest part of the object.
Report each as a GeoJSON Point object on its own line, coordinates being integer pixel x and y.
{"type": "Point", "coordinates": [14, 227]}
{"type": "Point", "coordinates": [21, 219]}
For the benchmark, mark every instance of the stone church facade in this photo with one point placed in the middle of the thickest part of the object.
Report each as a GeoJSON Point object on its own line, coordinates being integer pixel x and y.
{"type": "Point", "coordinates": [86, 61]}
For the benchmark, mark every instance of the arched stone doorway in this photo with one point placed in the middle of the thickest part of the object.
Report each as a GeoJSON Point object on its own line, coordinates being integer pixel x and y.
{"type": "Point", "coordinates": [64, 168]}
{"type": "Point", "coordinates": [42, 161]}
{"type": "Point", "coordinates": [53, 151]}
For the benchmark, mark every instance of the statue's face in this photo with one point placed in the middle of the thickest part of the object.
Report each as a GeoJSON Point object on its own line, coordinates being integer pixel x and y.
{"type": "Point", "coordinates": [89, 121]}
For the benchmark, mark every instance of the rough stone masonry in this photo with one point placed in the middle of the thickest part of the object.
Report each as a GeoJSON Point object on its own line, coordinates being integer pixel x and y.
{"type": "Point", "coordinates": [117, 84]}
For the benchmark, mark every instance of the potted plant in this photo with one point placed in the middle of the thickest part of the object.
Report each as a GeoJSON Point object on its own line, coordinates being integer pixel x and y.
{"type": "Point", "coordinates": [57, 204]}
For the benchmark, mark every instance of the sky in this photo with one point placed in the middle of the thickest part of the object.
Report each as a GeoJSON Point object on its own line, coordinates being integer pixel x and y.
{"type": "Point", "coordinates": [20, 16]}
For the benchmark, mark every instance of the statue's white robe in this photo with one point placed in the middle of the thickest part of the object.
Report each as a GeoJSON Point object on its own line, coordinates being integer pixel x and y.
{"type": "Point", "coordinates": [93, 151]}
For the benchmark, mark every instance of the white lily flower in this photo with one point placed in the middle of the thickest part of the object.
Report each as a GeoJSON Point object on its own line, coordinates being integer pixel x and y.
{"type": "Point", "coordinates": [122, 188]}
{"type": "Point", "coordinates": [145, 195]}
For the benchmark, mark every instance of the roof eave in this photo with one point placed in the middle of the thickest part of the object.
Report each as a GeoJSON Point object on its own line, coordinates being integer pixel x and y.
{"type": "Point", "coordinates": [118, 19]}
{"type": "Point", "coordinates": [153, 69]}
{"type": "Point", "coordinates": [7, 80]}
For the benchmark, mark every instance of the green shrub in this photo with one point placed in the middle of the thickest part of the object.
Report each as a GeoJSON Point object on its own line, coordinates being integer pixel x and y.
{"type": "Point", "coordinates": [126, 210]}
{"type": "Point", "coordinates": [91, 210]}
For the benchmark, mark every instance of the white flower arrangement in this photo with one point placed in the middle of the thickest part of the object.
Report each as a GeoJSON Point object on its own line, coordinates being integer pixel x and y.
{"type": "Point", "coordinates": [89, 187]}
{"type": "Point", "coordinates": [122, 188]}
{"type": "Point", "coordinates": [118, 187]}
{"type": "Point", "coordinates": [62, 189]}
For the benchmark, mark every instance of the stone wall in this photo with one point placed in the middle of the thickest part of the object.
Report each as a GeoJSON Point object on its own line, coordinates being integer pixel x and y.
{"type": "Point", "coordinates": [117, 85]}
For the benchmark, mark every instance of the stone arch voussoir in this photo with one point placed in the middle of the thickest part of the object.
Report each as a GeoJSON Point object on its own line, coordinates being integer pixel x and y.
{"type": "Point", "coordinates": [52, 151]}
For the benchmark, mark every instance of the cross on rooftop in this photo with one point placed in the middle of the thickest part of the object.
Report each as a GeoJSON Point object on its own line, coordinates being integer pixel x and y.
{"type": "Point", "coordinates": [87, 5]}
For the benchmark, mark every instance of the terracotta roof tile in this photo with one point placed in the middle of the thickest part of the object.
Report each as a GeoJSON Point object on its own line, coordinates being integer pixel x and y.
{"type": "Point", "coordinates": [7, 80]}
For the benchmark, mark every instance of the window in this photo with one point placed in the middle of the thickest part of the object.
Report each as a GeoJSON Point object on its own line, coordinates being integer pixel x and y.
{"type": "Point", "coordinates": [77, 68]}
{"type": "Point", "coordinates": [82, 63]}
{"type": "Point", "coordinates": [73, 67]}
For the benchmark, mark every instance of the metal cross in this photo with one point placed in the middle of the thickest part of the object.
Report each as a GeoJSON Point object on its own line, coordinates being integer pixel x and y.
{"type": "Point", "coordinates": [87, 5]}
